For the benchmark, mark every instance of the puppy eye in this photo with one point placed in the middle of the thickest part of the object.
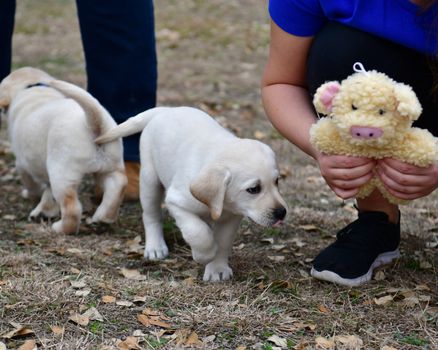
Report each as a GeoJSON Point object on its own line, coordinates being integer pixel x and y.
{"type": "Point", "coordinates": [353, 107]}
{"type": "Point", "coordinates": [382, 111]}
{"type": "Point", "coordinates": [254, 190]}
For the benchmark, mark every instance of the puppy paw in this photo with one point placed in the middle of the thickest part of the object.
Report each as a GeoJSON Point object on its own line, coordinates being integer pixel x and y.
{"type": "Point", "coordinates": [57, 226]}
{"type": "Point", "coordinates": [204, 256]}
{"type": "Point", "coordinates": [216, 272]}
{"type": "Point", "coordinates": [158, 252]}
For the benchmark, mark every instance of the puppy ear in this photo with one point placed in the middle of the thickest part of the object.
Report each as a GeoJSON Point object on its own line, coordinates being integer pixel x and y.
{"type": "Point", "coordinates": [407, 101]}
{"type": "Point", "coordinates": [324, 96]}
{"type": "Point", "coordinates": [4, 102]}
{"type": "Point", "coordinates": [209, 187]}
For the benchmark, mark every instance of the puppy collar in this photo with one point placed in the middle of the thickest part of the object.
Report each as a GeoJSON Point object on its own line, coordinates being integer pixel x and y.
{"type": "Point", "coordinates": [37, 84]}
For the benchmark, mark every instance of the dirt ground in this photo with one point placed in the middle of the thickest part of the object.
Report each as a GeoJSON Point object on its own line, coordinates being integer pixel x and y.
{"type": "Point", "coordinates": [92, 290]}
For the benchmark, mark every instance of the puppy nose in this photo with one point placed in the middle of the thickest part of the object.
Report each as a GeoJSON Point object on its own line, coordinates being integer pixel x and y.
{"type": "Point", "coordinates": [279, 213]}
{"type": "Point", "coordinates": [365, 132]}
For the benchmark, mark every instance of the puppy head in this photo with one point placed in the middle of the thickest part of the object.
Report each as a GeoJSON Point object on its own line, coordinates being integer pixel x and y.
{"type": "Point", "coordinates": [244, 181]}
{"type": "Point", "coordinates": [369, 108]}
{"type": "Point", "coordinates": [17, 81]}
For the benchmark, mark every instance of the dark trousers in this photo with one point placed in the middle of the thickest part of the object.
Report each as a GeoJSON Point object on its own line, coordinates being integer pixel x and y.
{"type": "Point", "coordinates": [119, 45]}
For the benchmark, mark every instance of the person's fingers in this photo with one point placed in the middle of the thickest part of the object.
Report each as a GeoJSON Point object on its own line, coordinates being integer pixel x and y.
{"type": "Point", "coordinates": [346, 161]}
{"type": "Point", "coordinates": [407, 196]}
{"type": "Point", "coordinates": [353, 173]}
{"type": "Point", "coordinates": [351, 184]}
{"type": "Point", "coordinates": [401, 179]}
{"type": "Point", "coordinates": [404, 168]}
{"type": "Point", "coordinates": [390, 184]}
{"type": "Point", "coordinates": [345, 194]}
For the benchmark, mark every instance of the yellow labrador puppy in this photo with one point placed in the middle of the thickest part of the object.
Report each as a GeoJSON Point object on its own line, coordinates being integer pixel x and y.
{"type": "Point", "coordinates": [209, 178]}
{"type": "Point", "coordinates": [52, 125]}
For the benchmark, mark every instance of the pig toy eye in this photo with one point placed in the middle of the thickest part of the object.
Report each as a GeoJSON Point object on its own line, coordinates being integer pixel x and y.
{"type": "Point", "coordinates": [353, 107]}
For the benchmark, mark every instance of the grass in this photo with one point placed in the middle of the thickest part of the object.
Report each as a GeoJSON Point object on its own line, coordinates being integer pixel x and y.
{"type": "Point", "coordinates": [215, 64]}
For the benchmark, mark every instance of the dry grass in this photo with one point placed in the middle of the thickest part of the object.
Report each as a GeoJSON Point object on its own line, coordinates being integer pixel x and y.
{"type": "Point", "coordinates": [211, 55]}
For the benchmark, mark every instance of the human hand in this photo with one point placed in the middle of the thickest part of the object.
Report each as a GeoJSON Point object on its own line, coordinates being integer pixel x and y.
{"type": "Point", "coordinates": [345, 174]}
{"type": "Point", "coordinates": [407, 181]}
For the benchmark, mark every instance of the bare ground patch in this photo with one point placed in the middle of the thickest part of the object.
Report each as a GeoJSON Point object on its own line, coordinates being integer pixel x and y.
{"type": "Point", "coordinates": [211, 55]}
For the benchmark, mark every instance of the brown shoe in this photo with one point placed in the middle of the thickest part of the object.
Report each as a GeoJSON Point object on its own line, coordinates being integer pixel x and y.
{"type": "Point", "coordinates": [132, 170]}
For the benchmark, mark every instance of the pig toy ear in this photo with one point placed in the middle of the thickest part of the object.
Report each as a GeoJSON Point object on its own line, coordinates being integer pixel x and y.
{"type": "Point", "coordinates": [323, 99]}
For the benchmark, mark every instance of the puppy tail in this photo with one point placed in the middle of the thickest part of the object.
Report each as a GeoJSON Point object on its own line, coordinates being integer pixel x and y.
{"type": "Point", "coordinates": [131, 126]}
{"type": "Point", "coordinates": [93, 109]}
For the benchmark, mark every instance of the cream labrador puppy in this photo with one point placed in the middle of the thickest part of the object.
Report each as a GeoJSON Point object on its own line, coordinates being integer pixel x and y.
{"type": "Point", "coordinates": [209, 180]}
{"type": "Point", "coordinates": [52, 125]}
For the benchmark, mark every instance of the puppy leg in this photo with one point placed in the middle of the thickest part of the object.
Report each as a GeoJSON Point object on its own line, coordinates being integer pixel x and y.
{"type": "Point", "coordinates": [224, 233]}
{"type": "Point", "coordinates": [113, 185]}
{"type": "Point", "coordinates": [71, 209]}
{"type": "Point", "coordinates": [31, 188]}
{"type": "Point", "coordinates": [151, 196]}
{"type": "Point", "coordinates": [195, 232]}
{"type": "Point", "coordinates": [47, 207]}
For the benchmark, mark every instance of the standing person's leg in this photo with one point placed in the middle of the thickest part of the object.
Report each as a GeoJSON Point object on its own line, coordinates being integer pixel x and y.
{"type": "Point", "coordinates": [7, 14]}
{"type": "Point", "coordinates": [119, 44]}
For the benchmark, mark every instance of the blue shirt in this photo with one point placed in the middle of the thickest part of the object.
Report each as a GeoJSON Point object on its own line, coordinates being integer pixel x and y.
{"type": "Point", "coordinates": [400, 21]}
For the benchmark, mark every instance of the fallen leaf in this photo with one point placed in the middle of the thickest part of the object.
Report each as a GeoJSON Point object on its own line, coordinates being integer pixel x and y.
{"type": "Point", "coordinates": [151, 312]}
{"type": "Point", "coordinates": [132, 274]}
{"type": "Point", "coordinates": [19, 331]}
{"type": "Point", "coordinates": [276, 258]}
{"type": "Point", "coordinates": [124, 303]}
{"type": "Point", "coordinates": [192, 339]}
{"type": "Point", "coordinates": [241, 347]}
{"type": "Point", "coordinates": [107, 299]}
{"type": "Point", "coordinates": [423, 287]}
{"type": "Point", "coordinates": [139, 299]}
{"type": "Point", "coordinates": [130, 343]}
{"type": "Point", "coordinates": [324, 343]}
{"type": "Point", "coordinates": [351, 342]}
{"type": "Point", "coordinates": [57, 330]}
{"type": "Point", "coordinates": [281, 342]}
{"type": "Point", "coordinates": [28, 345]}
{"type": "Point", "coordinates": [259, 135]}
{"type": "Point", "coordinates": [298, 242]}
{"type": "Point", "coordinates": [75, 271]}
{"type": "Point", "coordinates": [384, 300]}
{"type": "Point", "coordinates": [386, 347]}
{"type": "Point", "coordinates": [309, 227]}
{"type": "Point", "coordinates": [74, 251]}
{"type": "Point", "coordinates": [379, 276]}
{"type": "Point", "coordinates": [78, 284]}
{"type": "Point", "coordinates": [268, 240]}
{"type": "Point", "coordinates": [147, 321]}
{"type": "Point", "coordinates": [79, 319]}
{"type": "Point", "coordinates": [323, 309]}
{"type": "Point", "coordinates": [83, 292]}
{"type": "Point", "coordinates": [93, 314]}
{"type": "Point", "coordinates": [139, 333]}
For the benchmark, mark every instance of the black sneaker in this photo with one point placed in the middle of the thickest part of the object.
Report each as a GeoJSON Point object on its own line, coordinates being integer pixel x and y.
{"type": "Point", "coordinates": [361, 246]}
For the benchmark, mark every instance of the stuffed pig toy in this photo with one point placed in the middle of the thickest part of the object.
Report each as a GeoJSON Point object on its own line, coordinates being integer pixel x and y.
{"type": "Point", "coordinates": [371, 115]}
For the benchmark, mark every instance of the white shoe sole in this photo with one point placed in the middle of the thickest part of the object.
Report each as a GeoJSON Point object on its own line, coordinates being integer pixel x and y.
{"type": "Point", "coordinates": [382, 259]}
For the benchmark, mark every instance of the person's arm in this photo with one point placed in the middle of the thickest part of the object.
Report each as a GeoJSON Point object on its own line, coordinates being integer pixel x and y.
{"type": "Point", "coordinates": [288, 106]}
{"type": "Point", "coordinates": [284, 93]}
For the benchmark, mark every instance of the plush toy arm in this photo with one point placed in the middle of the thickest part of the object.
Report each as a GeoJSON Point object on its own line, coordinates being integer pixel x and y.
{"type": "Point", "coordinates": [419, 148]}
{"type": "Point", "coordinates": [324, 96]}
